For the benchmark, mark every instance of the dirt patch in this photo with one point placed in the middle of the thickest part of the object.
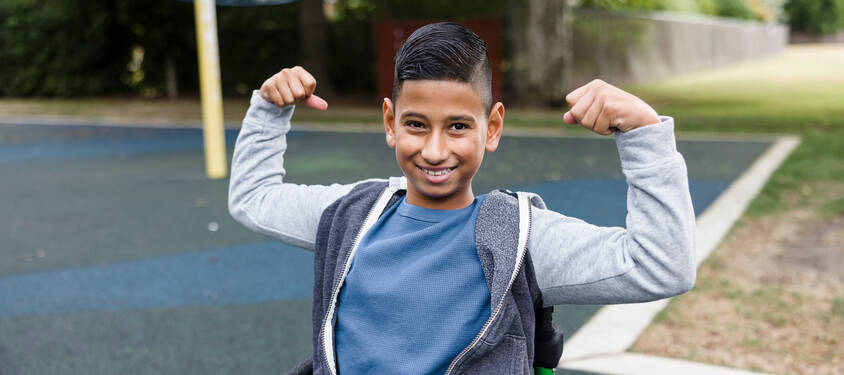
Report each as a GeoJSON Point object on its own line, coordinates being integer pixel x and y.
{"type": "Point", "coordinates": [770, 298]}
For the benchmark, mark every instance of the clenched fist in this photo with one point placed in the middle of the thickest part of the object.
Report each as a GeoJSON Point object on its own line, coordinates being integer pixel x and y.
{"type": "Point", "coordinates": [291, 86]}
{"type": "Point", "coordinates": [602, 108]}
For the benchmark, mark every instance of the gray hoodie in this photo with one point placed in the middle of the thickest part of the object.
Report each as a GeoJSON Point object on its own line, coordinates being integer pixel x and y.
{"type": "Point", "coordinates": [526, 250]}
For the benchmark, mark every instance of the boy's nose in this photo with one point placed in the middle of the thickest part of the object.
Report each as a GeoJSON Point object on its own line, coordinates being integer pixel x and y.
{"type": "Point", "coordinates": [435, 150]}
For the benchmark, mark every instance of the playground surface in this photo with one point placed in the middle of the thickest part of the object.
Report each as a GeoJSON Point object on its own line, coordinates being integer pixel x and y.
{"type": "Point", "coordinates": [121, 257]}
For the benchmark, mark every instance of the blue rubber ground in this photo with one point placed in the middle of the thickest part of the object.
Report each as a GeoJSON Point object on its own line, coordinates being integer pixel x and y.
{"type": "Point", "coordinates": [109, 265]}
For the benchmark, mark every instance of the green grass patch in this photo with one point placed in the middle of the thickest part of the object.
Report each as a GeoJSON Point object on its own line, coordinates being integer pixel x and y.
{"type": "Point", "coordinates": [798, 92]}
{"type": "Point", "coordinates": [664, 315]}
{"type": "Point", "coordinates": [812, 176]}
{"type": "Point", "coordinates": [838, 308]}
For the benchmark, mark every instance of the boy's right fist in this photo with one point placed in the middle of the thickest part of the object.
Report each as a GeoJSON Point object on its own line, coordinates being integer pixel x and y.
{"type": "Point", "coordinates": [291, 86]}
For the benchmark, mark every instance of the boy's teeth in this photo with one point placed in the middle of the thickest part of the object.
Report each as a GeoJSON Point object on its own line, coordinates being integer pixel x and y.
{"type": "Point", "coordinates": [436, 173]}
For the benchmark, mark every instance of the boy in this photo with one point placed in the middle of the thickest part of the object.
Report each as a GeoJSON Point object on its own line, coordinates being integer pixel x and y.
{"type": "Point", "coordinates": [418, 275]}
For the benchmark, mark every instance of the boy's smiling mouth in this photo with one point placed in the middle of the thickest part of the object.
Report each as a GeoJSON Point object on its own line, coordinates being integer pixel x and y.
{"type": "Point", "coordinates": [436, 175]}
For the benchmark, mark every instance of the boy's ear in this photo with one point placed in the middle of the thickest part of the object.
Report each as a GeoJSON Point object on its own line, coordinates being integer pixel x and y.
{"type": "Point", "coordinates": [494, 126]}
{"type": "Point", "coordinates": [389, 122]}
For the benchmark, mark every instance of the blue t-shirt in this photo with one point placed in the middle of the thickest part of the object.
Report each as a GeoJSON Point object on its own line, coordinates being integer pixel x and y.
{"type": "Point", "coordinates": [415, 294]}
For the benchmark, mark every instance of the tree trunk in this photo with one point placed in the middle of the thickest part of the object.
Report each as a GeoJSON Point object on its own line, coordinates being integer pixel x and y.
{"type": "Point", "coordinates": [313, 43]}
{"type": "Point", "coordinates": [171, 78]}
{"type": "Point", "coordinates": [541, 52]}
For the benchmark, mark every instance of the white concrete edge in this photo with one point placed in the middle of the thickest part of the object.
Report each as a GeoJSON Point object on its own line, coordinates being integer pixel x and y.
{"type": "Point", "coordinates": [715, 222]}
{"type": "Point", "coordinates": [640, 364]}
{"type": "Point", "coordinates": [616, 327]}
{"type": "Point", "coordinates": [611, 330]}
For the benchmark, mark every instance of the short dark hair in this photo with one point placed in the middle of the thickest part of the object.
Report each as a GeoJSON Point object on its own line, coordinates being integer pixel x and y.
{"type": "Point", "coordinates": [445, 51]}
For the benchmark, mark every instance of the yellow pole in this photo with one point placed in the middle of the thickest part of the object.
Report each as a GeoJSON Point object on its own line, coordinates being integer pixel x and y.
{"type": "Point", "coordinates": [213, 133]}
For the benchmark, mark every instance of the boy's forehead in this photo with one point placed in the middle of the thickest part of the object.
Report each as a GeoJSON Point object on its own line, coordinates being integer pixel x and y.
{"type": "Point", "coordinates": [440, 95]}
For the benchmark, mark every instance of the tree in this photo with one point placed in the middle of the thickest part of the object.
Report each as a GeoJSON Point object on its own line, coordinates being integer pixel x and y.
{"type": "Point", "coordinates": [313, 43]}
{"type": "Point", "coordinates": [733, 8]}
{"type": "Point", "coordinates": [163, 33]}
{"type": "Point", "coordinates": [815, 16]}
{"type": "Point", "coordinates": [61, 48]}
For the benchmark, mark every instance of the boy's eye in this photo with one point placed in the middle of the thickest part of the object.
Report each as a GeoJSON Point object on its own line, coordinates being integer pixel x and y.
{"type": "Point", "coordinates": [459, 126]}
{"type": "Point", "coordinates": [414, 124]}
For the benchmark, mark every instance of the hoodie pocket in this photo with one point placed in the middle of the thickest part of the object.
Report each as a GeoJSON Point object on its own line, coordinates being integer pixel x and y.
{"type": "Point", "coordinates": [508, 356]}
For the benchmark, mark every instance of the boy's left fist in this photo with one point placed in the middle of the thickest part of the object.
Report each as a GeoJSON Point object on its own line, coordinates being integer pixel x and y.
{"type": "Point", "coordinates": [602, 108]}
{"type": "Point", "coordinates": [291, 86]}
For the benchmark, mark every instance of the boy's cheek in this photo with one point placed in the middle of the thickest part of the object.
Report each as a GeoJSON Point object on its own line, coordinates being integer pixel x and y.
{"type": "Point", "coordinates": [405, 149]}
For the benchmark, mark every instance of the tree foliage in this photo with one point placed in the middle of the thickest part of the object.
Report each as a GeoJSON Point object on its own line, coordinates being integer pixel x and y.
{"type": "Point", "coordinates": [815, 16]}
{"type": "Point", "coordinates": [433, 9]}
{"type": "Point", "coordinates": [733, 9]}
{"type": "Point", "coordinates": [61, 47]}
{"type": "Point", "coordinates": [721, 8]}
{"type": "Point", "coordinates": [99, 47]}
{"type": "Point", "coordinates": [161, 30]}
{"type": "Point", "coordinates": [105, 47]}
{"type": "Point", "coordinates": [618, 5]}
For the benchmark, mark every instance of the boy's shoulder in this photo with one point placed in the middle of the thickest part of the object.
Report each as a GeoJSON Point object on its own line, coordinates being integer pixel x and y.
{"type": "Point", "coordinates": [365, 193]}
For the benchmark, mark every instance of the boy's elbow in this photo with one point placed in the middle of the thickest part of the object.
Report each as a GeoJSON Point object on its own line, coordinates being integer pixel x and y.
{"type": "Point", "coordinates": [244, 208]}
{"type": "Point", "coordinates": [233, 208]}
{"type": "Point", "coordinates": [686, 282]}
{"type": "Point", "coordinates": [684, 278]}
{"type": "Point", "coordinates": [237, 208]}
{"type": "Point", "coordinates": [685, 273]}
{"type": "Point", "coordinates": [678, 275]}
{"type": "Point", "coordinates": [689, 270]}
{"type": "Point", "coordinates": [239, 198]}
{"type": "Point", "coordinates": [674, 285]}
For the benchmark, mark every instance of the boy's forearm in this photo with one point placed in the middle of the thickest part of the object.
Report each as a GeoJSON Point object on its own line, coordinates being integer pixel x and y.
{"type": "Point", "coordinates": [652, 258]}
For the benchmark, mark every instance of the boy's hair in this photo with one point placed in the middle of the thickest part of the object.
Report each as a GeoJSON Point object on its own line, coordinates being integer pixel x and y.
{"type": "Point", "coordinates": [445, 51]}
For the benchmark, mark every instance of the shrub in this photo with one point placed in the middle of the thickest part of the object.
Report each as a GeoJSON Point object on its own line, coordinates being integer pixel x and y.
{"type": "Point", "coordinates": [815, 16]}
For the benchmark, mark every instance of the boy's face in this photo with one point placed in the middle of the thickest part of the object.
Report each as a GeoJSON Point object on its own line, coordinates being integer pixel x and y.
{"type": "Point", "coordinates": [440, 130]}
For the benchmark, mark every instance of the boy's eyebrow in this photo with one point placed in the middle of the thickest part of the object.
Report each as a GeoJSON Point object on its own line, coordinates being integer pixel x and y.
{"type": "Point", "coordinates": [413, 114]}
{"type": "Point", "coordinates": [464, 118]}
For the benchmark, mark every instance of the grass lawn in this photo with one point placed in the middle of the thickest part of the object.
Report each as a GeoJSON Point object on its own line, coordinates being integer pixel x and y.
{"type": "Point", "coordinates": [771, 297]}
{"type": "Point", "coordinates": [800, 92]}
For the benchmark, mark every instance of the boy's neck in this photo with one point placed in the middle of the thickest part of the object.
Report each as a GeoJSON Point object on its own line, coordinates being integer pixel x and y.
{"type": "Point", "coordinates": [453, 202]}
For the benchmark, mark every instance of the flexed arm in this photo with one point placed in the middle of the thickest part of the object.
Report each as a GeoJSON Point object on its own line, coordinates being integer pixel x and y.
{"type": "Point", "coordinates": [652, 258]}
{"type": "Point", "coordinates": [259, 198]}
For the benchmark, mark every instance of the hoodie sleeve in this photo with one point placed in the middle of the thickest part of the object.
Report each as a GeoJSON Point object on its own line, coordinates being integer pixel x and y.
{"type": "Point", "coordinates": [258, 196]}
{"type": "Point", "coordinates": [653, 258]}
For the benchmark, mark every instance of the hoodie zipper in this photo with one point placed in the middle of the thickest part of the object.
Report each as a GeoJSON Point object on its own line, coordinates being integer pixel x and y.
{"type": "Point", "coordinates": [519, 261]}
{"type": "Point", "coordinates": [327, 344]}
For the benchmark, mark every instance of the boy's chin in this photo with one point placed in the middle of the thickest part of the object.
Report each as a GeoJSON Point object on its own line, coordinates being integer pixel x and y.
{"type": "Point", "coordinates": [439, 195]}
{"type": "Point", "coordinates": [434, 193]}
